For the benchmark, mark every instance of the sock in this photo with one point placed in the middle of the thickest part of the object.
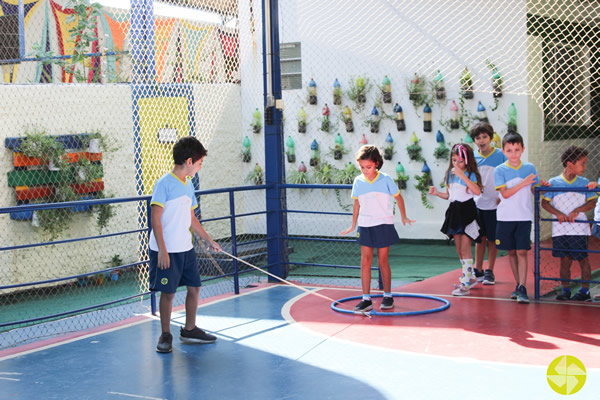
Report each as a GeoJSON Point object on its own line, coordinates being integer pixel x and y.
{"type": "Point", "coordinates": [468, 272]}
{"type": "Point", "coordinates": [566, 290]}
{"type": "Point", "coordinates": [584, 290]}
{"type": "Point", "coordinates": [367, 297]}
{"type": "Point", "coordinates": [385, 294]}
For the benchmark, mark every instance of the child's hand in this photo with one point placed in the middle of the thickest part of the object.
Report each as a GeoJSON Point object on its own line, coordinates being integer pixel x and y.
{"type": "Point", "coordinates": [530, 179]}
{"type": "Point", "coordinates": [459, 173]}
{"type": "Point", "coordinates": [433, 190]}
{"type": "Point", "coordinates": [163, 260]}
{"type": "Point", "coordinates": [347, 231]}
{"type": "Point", "coordinates": [563, 218]}
{"type": "Point", "coordinates": [214, 246]}
{"type": "Point", "coordinates": [592, 185]}
{"type": "Point", "coordinates": [406, 220]}
{"type": "Point", "coordinates": [544, 183]}
{"type": "Point", "coordinates": [572, 216]}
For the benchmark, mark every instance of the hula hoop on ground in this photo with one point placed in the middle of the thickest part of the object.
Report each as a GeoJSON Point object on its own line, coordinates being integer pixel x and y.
{"type": "Point", "coordinates": [443, 307]}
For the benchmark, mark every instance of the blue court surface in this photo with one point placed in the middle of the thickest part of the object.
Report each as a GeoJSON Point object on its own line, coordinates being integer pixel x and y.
{"type": "Point", "coordinates": [265, 352]}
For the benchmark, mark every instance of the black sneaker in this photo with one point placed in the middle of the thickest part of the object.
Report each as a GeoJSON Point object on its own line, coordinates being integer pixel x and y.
{"type": "Point", "coordinates": [387, 303]}
{"type": "Point", "coordinates": [196, 335]}
{"type": "Point", "coordinates": [165, 343]}
{"type": "Point", "coordinates": [479, 274]}
{"type": "Point", "coordinates": [522, 296]}
{"type": "Point", "coordinates": [580, 296]}
{"type": "Point", "coordinates": [515, 293]}
{"type": "Point", "coordinates": [364, 305]}
{"type": "Point", "coordinates": [564, 295]}
{"type": "Point", "coordinates": [488, 277]}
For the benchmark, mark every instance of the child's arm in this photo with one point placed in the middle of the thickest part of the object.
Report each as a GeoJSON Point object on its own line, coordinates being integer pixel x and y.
{"type": "Point", "coordinates": [592, 185]}
{"type": "Point", "coordinates": [354, 218]}
{"type": "Point", "coordinates": [509, 192]}
{"type": "Point", "coordinates": [400, 202]}
{"type": "Point", "coordinates": [199, 230]}
{"type": "Point", "coordinates": [442, 195]}
{"type": "Point", "coordinates": [589, 205]}
{"type": "Point", "coordinates": [473, 186]}
{"type": "Point", "coordinates": [546, 205]}
{"type": "Point", "coordinates": [163, 255]}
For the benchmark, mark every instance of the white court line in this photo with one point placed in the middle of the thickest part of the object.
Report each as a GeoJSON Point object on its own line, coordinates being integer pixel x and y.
{"type": "Point", "coordinates": [10, 379]}
{"type": "Point", "coordinates": [136, 396]}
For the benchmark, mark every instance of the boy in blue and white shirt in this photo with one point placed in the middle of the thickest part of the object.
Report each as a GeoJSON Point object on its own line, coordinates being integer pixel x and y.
{"type": "Point", "coordinates": [569, 238]}
{"type": "Point", "coordinates": [515, 181]}
{"type": "Point", "coordinates": [488, 158]}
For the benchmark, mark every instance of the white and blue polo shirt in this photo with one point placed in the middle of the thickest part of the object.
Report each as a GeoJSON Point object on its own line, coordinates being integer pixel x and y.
{"type": "Point", "coordinates": [458, 189]}
{"type": "Point", "coordinates": [177, 199]}
{"type": "Point", "coordinates": [486, 165]}
{"type": "Point", "coordinates": [375, 199]}
{"type": "Point", "coordinates": [518, 206]}
{"type": "Point", "coordinates": [566, 202]}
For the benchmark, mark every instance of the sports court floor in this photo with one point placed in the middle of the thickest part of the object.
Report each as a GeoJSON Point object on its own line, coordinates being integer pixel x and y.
{"type": "Point", "coordinates": [278, 342]}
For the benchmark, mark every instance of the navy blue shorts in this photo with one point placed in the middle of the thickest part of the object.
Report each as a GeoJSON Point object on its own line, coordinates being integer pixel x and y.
{"type": "Point", "coordinates": [513, 235]}
{"type": "Point", "coordinates": [487, 224]}
{"type": "Point", "coordinates": [570, 242]}
{"type": "Point", "coordinates": [182, 271]}
{"type": "Point", "coordinates": [378, 237]}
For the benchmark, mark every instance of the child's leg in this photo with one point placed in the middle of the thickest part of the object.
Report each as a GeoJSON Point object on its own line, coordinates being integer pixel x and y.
{"type": "Point", "coordinates": [522, 265]}
{"type": "Point", "coordinates": [586, 272]}
{"type": "Point", "coordinates": [480, 253]}
{"type": "Point", "coordinates": [165, 305]}
{"type": "Point", "coordinates": [514, 266]}
{"type": "Point", "coordinates": [366, 260]}
{"type": "Point", "coordinates": [463, 248]}
{"type": "Point", "coordinates": [384, 267]}
{"type": "Point", "coordinates": [565, 270]}
{"type": "Point", "coordinates": [191, 307]}
{"type": "Point", "coordinates": [492, 254]}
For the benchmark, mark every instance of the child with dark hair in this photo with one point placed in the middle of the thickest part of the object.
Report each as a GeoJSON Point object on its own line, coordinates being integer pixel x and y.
{"type": "Point", "coordinates": [570, 238]}
{"type": "Point", "coordinates": [172, 258]}
{"type": "Point", "coordinates": [463, 182]}
{"type": "Point", "coordinates": [373, 213]}
{"type": "Point", "coordinates": [488, 158]}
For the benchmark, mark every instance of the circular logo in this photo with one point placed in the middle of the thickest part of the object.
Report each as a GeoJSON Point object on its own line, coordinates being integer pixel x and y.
{"type": "Point", "coordinates": [497, 242]}
{"type": "Point", "coordinates": [164, 281]}
{"type": "Point", "coordinates": [566, 375]}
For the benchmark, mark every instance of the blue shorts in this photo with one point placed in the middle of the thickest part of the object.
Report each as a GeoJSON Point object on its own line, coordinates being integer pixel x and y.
{"type": "Point", "coordinates": [378, 237]}
{"type": "Point", "coordinates": [487, 222]}
{"type": "Point", "coordinates": [182, 271]}
{"type": "Point", "coordinates": [513, 235]}
{"type": "Point", "coordinates": [564, 243]}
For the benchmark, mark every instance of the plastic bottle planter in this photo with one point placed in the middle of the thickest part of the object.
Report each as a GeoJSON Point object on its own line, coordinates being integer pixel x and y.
{"type": "Point", "coordinates": [312, 92]}
{"type": "Point", "coordinates": [363, 140]}
{"type": "Point", "coordinates": [291, 151]}
{"type": "Point", "coordinates": [256, 121]}
{"type": "Point", "coordinates": [497, 81]}
{"type": "Point", "coordinates": [399, 117]}
{"type": "Point", "coordinates": [246, 152]}
{"type": "Point", "coordinates": [347, 118]}
{"type": "Point", "coordinates": [442, 152]}
{"type": "Point", "coordinates": [481, 113]}
{"type": "Point", "coordinates": [512, 118]}
{"type": "Point", "coordinates": [338, 150]}
{"type": "Point", "coordinates": [315, 156]}
{"type": "Point", "coordinates": [360, 88]}
{"type": "Point", "coordinates": [414, 150]}
{"type": "Point", "coordinates": [401, 177]}
{"type": "Point", "coordinates": [374, 121]}
{"type": "Point", "coordinates": [337, 93]}
{"type": "Point", "coordinates": [427, 118]}
{"type": "Point", "coordinates": [388, 151]}
{"type": "Point", "coordinates": [302, 121]}
{"type": "Point", "coordinates": [438, 82]}
{"type": "Point", "coordinates": [325, 122]}
{"type": "Point", "coordinates": [415, 88]}
{"type": "Point", "coordinates": [454, 117]}
{"type": "Point", "coordinates": [466, 84]}
{"type": "Point", "coordinates": [386, 90]}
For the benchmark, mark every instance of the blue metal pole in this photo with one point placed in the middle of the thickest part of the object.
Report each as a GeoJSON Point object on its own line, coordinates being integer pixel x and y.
{"type": "Point", "coordinates": [21, 11]}
{"type": "Point", "coordinates": [236, 276]}
{"type": "Point", "coordinates": [536, 243]}
{"type": "Point", "coordinates": [274, 162]}
{"type": "Point", "coordinates": [153, 307]}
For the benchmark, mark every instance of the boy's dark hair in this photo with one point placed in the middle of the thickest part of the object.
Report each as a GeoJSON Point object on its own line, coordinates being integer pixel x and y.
{"type": "Point", "coordinates": [370, 152]}
{"type": "Point", "coordinates": [512, 138]}
{"type": "Point", "coordinates": [572, 154]}
{"type": "Point", "coordinates": [482, 127]}
{"type": "Point", "coordinates": [188, 147]}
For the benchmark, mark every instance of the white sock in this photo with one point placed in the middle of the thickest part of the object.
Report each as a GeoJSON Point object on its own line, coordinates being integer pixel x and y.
{"type": "Point", "coordinates": [366, 297]}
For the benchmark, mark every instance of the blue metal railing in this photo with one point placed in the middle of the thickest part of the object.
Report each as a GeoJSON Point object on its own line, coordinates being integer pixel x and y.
{"type": "Point", "coordinates": [537, 240]}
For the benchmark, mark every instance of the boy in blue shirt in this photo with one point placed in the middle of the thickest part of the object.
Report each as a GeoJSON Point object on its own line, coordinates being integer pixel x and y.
{"type": "Point", "coordinates": [567, 207]}
{"type": "Point", "coordinates": [515, 181]}
{"type": "Point", "coordinates": [172, 258]}
{"type": "Point", "coordinates": [488, 158]}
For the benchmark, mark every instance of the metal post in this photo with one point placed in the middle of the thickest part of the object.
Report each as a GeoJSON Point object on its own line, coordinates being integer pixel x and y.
{"type": "Point", "coordinates": [153, 307]}
{"type": "Point", "coordinates": [236, 277]}
{"type": "Point", "coordinates": [536, 243]}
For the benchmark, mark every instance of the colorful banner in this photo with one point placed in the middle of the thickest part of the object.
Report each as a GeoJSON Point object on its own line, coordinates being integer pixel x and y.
{"type": "Point", "coordinates": [193, 37]}
{"type": "Point", "coordinates": [163, 28]}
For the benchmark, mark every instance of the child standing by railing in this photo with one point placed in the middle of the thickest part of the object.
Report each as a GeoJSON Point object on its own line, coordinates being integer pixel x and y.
{"type": "Point", "coordinates": [463, 182]}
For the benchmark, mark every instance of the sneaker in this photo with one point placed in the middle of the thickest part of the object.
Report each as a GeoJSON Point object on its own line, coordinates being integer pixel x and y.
{"type": "Point", "coordinates": [522, 296]}
{"type": "Point", "coordinates": [488, 277]}
{"type": "Point", "coordinates": [387, 303]}
{"type": "Point", "coordinates": [460, 290]}
{"type": "Point", "coordinates": [564, 295]}
{"type": "Point", "coordinates": [515, 293]}
{"type": "Point", "coordinates": [364, 305]}
{"type": "Point", "coordinates": [165, 343]}
{"type": "Point", "coordinates": [479, 274]}
{"type": "Point", "coordinates": [196, 335]}
{"type": "Point", "coordinates": [580, 296]}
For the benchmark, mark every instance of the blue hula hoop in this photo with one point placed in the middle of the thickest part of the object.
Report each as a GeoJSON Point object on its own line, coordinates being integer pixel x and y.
{"type": "Point", "coordinates": [443, 307]}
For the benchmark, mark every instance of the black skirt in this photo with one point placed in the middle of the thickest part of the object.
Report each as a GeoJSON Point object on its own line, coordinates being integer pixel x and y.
{"type": "Point", "coordinates": [459, 219]}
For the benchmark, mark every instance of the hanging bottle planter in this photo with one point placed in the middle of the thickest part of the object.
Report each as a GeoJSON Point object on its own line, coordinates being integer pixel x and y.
{"type": "Point", "coordinates": [300, 176]}
{"type": "Point", "coordinates": [414, 150]}
{"type": "Point", "coordinates": [386, 90]}
{"type": "Point", "coordinates": [374, 121]}
{"type": "Point", "coordinates": [325, 121]}
{"type": "Point", "coordinates": [454, 117]}
{"type": "Point", "coordinates": [468, 140]}
{"type": "Point", "coordinates": [347, 118]}
{"type": "Point", "coordinates": [256, 121]}
{"type": "Point", "coordinates": [496, 141]}
{"type": "Point", "coordinates": [415, 88]}
{"type": "Point", "coordinates": [497, 81]}
{"type": "Point", "coordinates": [291, 151]}
{"type": "Point", "coordinates": [360, 88]}
{"type": "Point", "coordinates": [388, 151]}
{"type": "Point", "coordinates": [338, 150]}
{"type": "Point", "coordinates": [481, 113]}
{"type": "Point", "coordinates": [302, 121]}
{"type": "Point", "coordinates": [337, 93]}
{"type": "Point", "coordinates": [400, 125]}
{"type": "Point", "coordinates": [315, 156]}
{"type": "Point", "coordinates": [427, 118]}
{"type": "Point", "coordinates": [401, 177]}
{"type": "Point", "coordinates": [427, 170]}
{"type": "Point", "coordinates": [312, 92]}
{"type": "Point", "coordinates": [246, 151]}
{"type": "Point", "coordinates": [466, 84]}
{"type": "Point", "coordinates": [302, 167]}
{"type": "Point", "coordinates": [438, 84]}
{"type": "Point", "coordinates": [363, 140]}
{"type": "Point", "coordinates": [512, 118]}
{"type": "Point", "coordinates": [424, 181]}
{"type": "Point", "coordinates": [442, 152]}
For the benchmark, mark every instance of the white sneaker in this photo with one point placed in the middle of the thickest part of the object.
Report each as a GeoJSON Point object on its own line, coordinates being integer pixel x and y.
{"type": "Point", "coordinates": [460, 290]}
